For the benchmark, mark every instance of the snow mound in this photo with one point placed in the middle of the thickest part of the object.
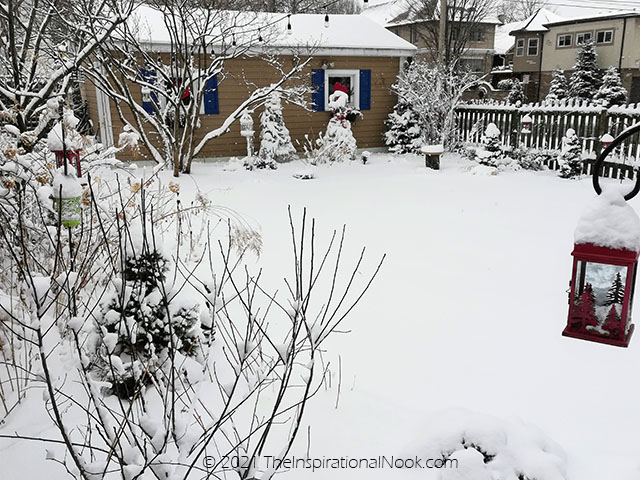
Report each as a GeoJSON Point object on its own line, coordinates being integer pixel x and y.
{"type": "Point", "coordinates": [609, 221]}
{"type": "Point", "coordinates": [487, 447]}
{"type": "Point", "coordinates": [69, 183]}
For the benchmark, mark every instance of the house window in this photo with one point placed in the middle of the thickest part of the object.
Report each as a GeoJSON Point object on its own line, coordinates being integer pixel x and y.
{"type": "Point", "coordinates": [604, 36]}
{"type": "Point", "coordinates": [413, 34]}
{"type": "Point", "coordinates": [476, 34]}
{"type": "Point", "coordinates": [532, 48]}
{"type": "Point", "coordinates": [583, 37]}
{"type": "Point", "coordinates": [564, 40]}
{"type": "Point", "coordinates": [472, 64]}
{"type": "Point", "coordinates": [345, 80]}
{"type": "Point", "coordinates": [520, 47]}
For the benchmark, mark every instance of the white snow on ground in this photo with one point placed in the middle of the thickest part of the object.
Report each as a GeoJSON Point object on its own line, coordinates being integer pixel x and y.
{"type": "Point", "coordinates": [467, 313]}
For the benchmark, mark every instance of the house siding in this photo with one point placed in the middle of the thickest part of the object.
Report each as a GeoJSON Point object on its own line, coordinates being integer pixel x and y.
{"type": "Point", "coordinates": [300, 122]}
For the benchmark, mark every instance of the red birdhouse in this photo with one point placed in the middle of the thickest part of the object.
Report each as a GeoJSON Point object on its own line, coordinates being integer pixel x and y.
{"type": "Point", "coordinates": [73, 158]}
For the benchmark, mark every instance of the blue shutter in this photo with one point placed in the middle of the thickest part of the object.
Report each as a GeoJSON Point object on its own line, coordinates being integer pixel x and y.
{"type": "Point", "coordinates": [210, 98]}
{"type": "Point", "coordinates": [317, 97]}
{"type": "Point", "coordinates": [365, 89]}
{"type": "Point", "coordinates": [149, 76]}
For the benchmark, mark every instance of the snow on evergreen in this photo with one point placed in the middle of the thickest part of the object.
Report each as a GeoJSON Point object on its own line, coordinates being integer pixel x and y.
{"type": "Point", "coordinates": [611, 92]}
{"type": "Point", "coordinates": [516, 94]}
{"type": "Point", "coordinates": [490, 153]}
{"type": "Point", "coordinates": [404, 134]}
{"type": "Point", "coordinates": [275, 141]}
{"type": "Point", "coordinates": [559, 89]}
{"type": "Point", "coordinates": [585, 79]}
{"type": "Point", "coordinates": [570, 159]}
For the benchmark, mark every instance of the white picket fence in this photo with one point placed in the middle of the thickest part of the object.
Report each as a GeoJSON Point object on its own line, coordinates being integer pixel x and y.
{"type": "Point", "coordinates": [550, 121]}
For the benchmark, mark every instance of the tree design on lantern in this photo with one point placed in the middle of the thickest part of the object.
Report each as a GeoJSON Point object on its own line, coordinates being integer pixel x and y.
{"type": "Point", "coordinates": [605, 263]}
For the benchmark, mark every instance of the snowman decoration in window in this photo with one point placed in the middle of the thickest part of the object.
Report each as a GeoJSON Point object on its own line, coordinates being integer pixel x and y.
{"type": "Point", "coordinates": [339, 143]}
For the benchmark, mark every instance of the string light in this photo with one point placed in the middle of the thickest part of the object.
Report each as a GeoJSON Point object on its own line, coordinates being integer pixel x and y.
{"type": "Point", "coordinates": [289, 29]}
{"type": "Point", "coordinates": [326, 20]}
{"type": "Point", "coordinates": [259, 35]}
{"type": "Point", "coordinates": [233, 39]}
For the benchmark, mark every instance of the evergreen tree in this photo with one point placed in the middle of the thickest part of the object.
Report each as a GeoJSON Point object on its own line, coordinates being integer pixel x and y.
{"type": "Point", "coordinates": [404, 134]}
{"type": "Point", "coordinates": [275, 141]}
{"type": "Point", "coordinates": [516, 94]}
{"type": "Point", "coordinates": [491, 152]}
{"type": "Point", "coordinates": [611, 92]}
{"type": "Point", "coordinates": [570, 159]}
{"type": "Point", "coordinates": [613, 323]}
{"type": "Point", "coordinates": [585, 79]}
{"type": "Point", "coordinates": [616, 291]}
{"type": "Point", "coordinates": [559, 88]}
{"type": "Point", "coordinates": [587, 305]}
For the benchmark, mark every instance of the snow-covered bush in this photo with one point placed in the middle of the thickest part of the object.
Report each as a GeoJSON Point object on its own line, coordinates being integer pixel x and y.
{"type": "Point", "coordinates": [486, 448]}
{"type": "Point", "coordinates": [505, 84]}
{"type": "Point", "coordinates": [275, 141]}
{"type": "Point", "coordinates": [433, 94]}
{"type": "Point", "coordinates": [516, 94]}
{"type": "Point", "coordinates": [534, 159]}
{"type": "Point", "coordinates": [585, 79]}
{"type": "Point", "coordinates": [559, 88]}
{"type": "Point", "coordinates": [404, 134]}
{"type": "Point", "coordinates": [338, 143]}
{"type": "Point", "coordinates": [260, 163]}
{"type": "Point", "coordinates": [490, 153]}
{"type": "Point", "coordinates": [570, 159]}
{"type": "Point", "coordinates": [611, 92]}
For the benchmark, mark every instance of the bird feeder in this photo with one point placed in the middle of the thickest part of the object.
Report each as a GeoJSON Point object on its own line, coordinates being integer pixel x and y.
{"type": "Point", "coordinates": [72, 156]}
{"type": "Point", "coordinates": [246, 130]}
{"type": "Point", "coordinates": [527, 122]}
{"type": "Point", "coordinates": [605, 263]}
{"type": "Point", "coordinates": [146, 94]}
{"type": "Point", "coordinates": [67, 194]}
{"type": "Point", "coordinates": [606, 140]}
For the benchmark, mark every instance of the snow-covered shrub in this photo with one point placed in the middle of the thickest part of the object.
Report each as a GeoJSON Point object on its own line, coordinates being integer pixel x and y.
{"type": "Point", "coordinates": [433, 94]}
{"type": "Point", "coordinates": [505, 84]}
{"type": "Point", "coordinates": [516, 94]}
{"type": "Point", "coordinates": [488, 448]}
{"type": "Point", "coordinates": [275, 141]}
{"type": "Point", "coordinates": [559, 88]}
{"type": "Point", "coordinates": [570, 159]}
{"type": "Point", "coordinates": [142, 324]}
{"type": "Point", "coordinates": [585, 79]}
{"type": "Point", "coordinates": [338, 143]}
{"type": "Point", "coordinates": [535, 159]}
{"type": "Point", "coordinates": [404, 133]}
{"type": "Point", "coordinates": [251, 163]}
{"type": "Point", "coordinates": [490, 153]}
{"type": "Point", "coordinates": [611, 92]}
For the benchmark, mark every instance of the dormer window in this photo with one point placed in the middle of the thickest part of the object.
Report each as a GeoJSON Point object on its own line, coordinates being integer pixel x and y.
{"type": "Point", "coordinates": [520, 47]}
{"type": "Point", "coordinates": [532, 48]}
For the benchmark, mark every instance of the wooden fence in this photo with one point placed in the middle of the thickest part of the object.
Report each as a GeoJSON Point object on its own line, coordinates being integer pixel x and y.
{"type": "Point", "coordinates": [550, 121]}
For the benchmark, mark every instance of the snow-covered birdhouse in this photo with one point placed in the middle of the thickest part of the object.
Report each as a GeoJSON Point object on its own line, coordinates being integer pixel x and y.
{"type": "Point", "coordinates": [605, 262]}
{"type": "Point", "coordinates": [246, 125]}
{"type": "Point", "coordinates": [606, 140]}
{"type": "Point", "coordinates": [67, 143]}
{"type": "Point", "coordinates": [146, 94]}
{"type": "Point", "coordinates": [527, 121]}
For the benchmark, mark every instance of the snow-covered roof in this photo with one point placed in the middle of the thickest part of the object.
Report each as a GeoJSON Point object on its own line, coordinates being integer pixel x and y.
{"type": "Point", "coordinates": [604, 15]}
{"type": "Point", "coordinates": [345, 35]}
{"type": "Point", "coordinates": [503, 40]}
{"type": "Point", "coordinates": [537, 21]}
{"type": "Point", "coordinates": [394, 13]}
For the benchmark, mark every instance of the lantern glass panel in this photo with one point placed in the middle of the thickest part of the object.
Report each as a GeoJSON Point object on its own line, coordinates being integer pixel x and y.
{"type": "Point", "coordinates": [599, 294]}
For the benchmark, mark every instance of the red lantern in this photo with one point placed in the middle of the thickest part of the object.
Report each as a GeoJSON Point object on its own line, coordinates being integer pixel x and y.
{"type": "Point", "coordinates": [605, 263]}
{"type": "Point", "coordinates": [606, 140]}
{"type": "Point", "coordinates": [527, 121]}
{"type": "Point", "coordinates": [73, 157]}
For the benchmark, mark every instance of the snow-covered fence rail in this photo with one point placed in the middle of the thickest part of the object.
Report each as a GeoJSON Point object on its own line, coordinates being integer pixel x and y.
{"type": "Point", "coordinates": [549, 123]}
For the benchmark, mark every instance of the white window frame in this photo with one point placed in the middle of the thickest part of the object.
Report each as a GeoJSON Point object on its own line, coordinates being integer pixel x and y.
{"type": "Point", "coordinates": [564, 36]}
{"type": "Point", "coordinates": [604, 32]}
{"type": "Point", "coordinates": [582, 34]}
{"type": "Point", "coordinates": [355, 82]}
{"type": "Point", "coordinates": [537, 40]}
{"type": "Point", "coordinates": [518, 47]}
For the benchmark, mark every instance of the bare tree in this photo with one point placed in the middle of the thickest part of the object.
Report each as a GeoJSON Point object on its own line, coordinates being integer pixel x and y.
{"type": "Point", "coordinates": [43, 43]}
{"type": "Point", "coordinates": [464, 23]}
{"type": "Point", "coordinates": [514, 11]}
{"type": "Point", "coordinates": [174, 81]}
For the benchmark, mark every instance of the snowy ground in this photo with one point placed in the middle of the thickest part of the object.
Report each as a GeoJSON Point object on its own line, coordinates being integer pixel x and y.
{"type": "Point", "coordinates": [467, 313]}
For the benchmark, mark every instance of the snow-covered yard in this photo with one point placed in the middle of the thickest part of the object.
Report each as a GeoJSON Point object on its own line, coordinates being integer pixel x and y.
{"type": "Point", "coordinates": [467, 313]}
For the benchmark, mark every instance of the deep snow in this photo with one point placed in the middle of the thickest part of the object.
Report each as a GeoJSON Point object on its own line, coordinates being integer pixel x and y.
{"type": "Point", "coordinates": [467, 313]}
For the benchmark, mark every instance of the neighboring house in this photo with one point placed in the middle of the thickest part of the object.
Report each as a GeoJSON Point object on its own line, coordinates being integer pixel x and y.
{"type": "Point", "coordinates": [617, 39]}
{"type": "Point", "coordinates": [529, 48]}
{"type": "Point", "coordinates": [399, 19]}
{"type": "Point", "coordinates": [367, 63]}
